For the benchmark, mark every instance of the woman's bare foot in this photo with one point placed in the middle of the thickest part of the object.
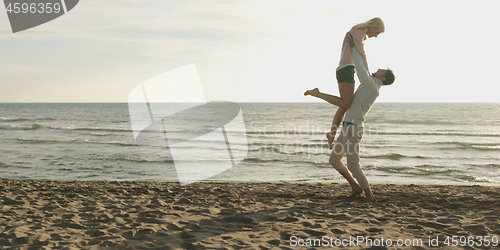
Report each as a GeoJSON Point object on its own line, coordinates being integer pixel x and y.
{"type": "Point", "coordinates": [330, 136]}
{"type": "Point", "coordinates": [313, 92]}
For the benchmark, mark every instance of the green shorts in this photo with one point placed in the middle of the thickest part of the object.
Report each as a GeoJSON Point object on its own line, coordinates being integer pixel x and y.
{"type": "Point", "coordinates": [346, 74]}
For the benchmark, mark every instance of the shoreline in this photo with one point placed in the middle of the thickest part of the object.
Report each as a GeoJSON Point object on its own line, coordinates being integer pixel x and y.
{"type": "Point", "coordinates": [254, 215]}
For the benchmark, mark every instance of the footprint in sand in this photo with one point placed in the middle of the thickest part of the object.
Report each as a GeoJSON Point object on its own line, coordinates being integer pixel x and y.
{"type": "Point", "coordinates": [337, 231]}
{"type": "Point", "coordinates": [477, 229]}
{"type": "Point", "coordinates": [314, 233]}
{"type": "Point", "coordinates": [374, 230]}
{"type": "Point", "coordinates": [433, 225]}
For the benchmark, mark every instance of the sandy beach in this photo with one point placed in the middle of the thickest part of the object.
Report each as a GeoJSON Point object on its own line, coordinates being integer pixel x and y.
{"type": "Point", "coordinates": [164, 215]}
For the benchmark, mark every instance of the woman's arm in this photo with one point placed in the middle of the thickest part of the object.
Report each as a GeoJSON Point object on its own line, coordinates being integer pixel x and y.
{"type": "Point", "coordinates": [357, 36]}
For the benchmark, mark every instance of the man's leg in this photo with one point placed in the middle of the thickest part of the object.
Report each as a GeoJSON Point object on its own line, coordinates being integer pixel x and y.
{"type": "Point", "coordinates": [353, 139]}
{"type": "Point", "coordinates": [335, 160]}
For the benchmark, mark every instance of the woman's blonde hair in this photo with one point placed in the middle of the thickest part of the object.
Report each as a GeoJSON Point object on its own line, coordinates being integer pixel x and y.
{"type": "Point", "coordinates": [375, 24]}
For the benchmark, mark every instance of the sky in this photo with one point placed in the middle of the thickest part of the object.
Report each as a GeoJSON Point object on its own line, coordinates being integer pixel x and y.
{"type": "Point", "coordinates": [251, 50]}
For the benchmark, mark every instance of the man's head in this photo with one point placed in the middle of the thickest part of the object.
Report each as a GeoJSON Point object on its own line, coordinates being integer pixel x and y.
{"type": "Point", "coordinates": [386, 76]}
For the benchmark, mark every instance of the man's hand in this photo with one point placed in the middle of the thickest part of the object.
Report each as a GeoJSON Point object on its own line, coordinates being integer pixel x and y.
{"type": "Point", "coordinates": [350, 40]}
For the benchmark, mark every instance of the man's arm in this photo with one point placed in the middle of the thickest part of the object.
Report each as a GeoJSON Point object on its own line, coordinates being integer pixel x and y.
{"type": "Point", "coordinates": [363, 74]}
{"type": "Point", "coordinates": [357, 36]}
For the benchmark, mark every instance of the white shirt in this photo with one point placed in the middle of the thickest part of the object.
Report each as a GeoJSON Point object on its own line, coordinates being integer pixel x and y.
{"type": "Point", "coordinates": [365, 95]}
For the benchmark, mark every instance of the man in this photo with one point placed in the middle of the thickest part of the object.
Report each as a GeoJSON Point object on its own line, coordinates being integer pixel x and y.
{"type": "Point", "coordinates": [352, 127]}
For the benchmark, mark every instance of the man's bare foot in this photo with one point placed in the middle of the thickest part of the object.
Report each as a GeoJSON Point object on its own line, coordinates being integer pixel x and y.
{"type": "Point", "coordinates": [370, 200]}
{"type": "Point", "coordinates": [330, 136]}
{"type": "Point", "coordinates": [355, 193]}
{"type": "Point", "coordinates": [313, 92]}
{"type": "Point", "coordinates": [369, 196]}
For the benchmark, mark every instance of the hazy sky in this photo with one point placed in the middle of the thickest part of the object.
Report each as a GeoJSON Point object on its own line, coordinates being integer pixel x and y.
{"type": "Point", "coordinates": [252, 51]}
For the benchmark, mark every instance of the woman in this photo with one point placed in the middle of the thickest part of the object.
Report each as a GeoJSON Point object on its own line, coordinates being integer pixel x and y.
{"type": "Point", "coordinates": [345, 71]}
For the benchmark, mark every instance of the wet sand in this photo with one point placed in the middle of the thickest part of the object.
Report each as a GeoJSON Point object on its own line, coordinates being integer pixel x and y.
{"type": "Point", "coordinates": [207, 215]}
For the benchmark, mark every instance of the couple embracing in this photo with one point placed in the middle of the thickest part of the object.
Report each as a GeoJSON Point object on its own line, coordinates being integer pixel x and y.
{"type": "Point", "coordinates": [353, 106]}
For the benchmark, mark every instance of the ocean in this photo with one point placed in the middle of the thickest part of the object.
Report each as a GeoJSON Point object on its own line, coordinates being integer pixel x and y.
{"type": "Point", "coordinates": [443, 143]}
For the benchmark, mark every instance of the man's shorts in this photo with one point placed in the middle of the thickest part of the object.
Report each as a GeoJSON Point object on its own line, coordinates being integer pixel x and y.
{"type": "Point", "coordinates": [346, 74]}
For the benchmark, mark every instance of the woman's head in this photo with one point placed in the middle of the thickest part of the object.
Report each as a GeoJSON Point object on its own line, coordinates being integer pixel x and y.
{"type": "Point", "coordinates": [375, 26]}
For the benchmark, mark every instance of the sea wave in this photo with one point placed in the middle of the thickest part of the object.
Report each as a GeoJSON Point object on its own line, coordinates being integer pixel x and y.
{"type": "Point", "coordinates": [369, 131]}
{"type": "Point", "coordinates": [43, 140]}
{"type": "Point", "coordinates": [474, 179]}
{"type": "Point", "coordinates": [325, 151]}
{"type": "Point", "coordinates": [118, 143]}
{"type": "Point", "coordinates": [142, 160]}
{"type": "Point", "coordinates": [392, 156]}
{"type": "Point", "coordinates": [101, 134]}
{"type": "Point", "coordinates": [486, 148]}
{"type": "Point", "coordinates": [468, 144]}
{"type": "Point", "coordinates": [133, 159]}
{"type": "Point", "coordinates": [72, 128]}
{"type": "Point", "coordinates": [287, 132]}
{"type": "Point", "coordinates": [415, 122]}
{"type": "Point", "coordinates": [20, 127]}
{"type": "Point", "coordinates": [173, 131]}
{"type": "Point", "coordinates": [436, 133]}
{"type": "Point", "coordinates": [7, 119]}
{"type": "Point", "coordinates": [258, 160]}
{"type": "Point", "coordinates": [492, 165]}
{"type": "Point", "coordinates": [296, 145]}
{"type": "Point", "coordinates": [461, 145]}
{"type": "Point", "coordinates": [195, 145]}
{"type": "Point", "coordinates": [40, 140]}
{"type": "Point", "coordinates": [295, 150]}
{"type": "Point", "coordinates": [474, 147]}
{"type": "Point", "coordinates": [21, 119]}
{"type": "Point", "coordinates": [419, 170]}
{"type": "Point", "coordinates": [3, 165]}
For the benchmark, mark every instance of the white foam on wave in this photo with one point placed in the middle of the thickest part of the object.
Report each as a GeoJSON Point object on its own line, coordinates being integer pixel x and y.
{"type": "Point", "coordinates": [7, 119]}
{"type": "Point", "coordinates": [118, 143]}
{"type": "Point", "coordinates": [41, 140]}
{"type": "Point", "coordinates": [91, 129]}
{"type": "Point", "coordinates": [20, 127]}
